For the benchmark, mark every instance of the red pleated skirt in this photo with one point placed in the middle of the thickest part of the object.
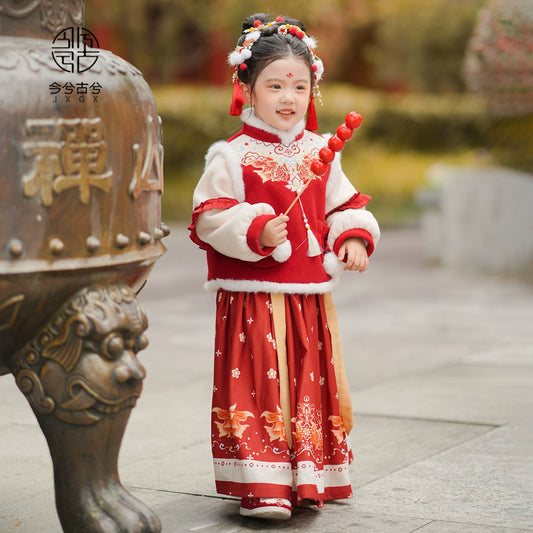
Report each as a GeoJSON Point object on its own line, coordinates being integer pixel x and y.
{"type": "Point", "coordinates": [251, 454]}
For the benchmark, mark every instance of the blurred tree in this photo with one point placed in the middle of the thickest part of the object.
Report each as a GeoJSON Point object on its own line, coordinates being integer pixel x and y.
{"type": "Point", "coordinates": [499, 65]}
{"type": "Point", "coordinates": [419, 45]}
{"type": "Point", "coordinates": [405, 44]}
{"type": "Point", "coordinates": [499, 59]}
{"type": "Point", "coordinates": [170, 40]}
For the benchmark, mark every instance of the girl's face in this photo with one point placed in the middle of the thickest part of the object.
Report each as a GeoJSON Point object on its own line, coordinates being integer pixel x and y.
{"type": "Point", "coordinates": [281, 93]}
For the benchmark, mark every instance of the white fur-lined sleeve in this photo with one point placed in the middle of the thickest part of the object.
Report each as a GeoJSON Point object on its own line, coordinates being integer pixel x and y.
{"type": "Point", "coordinates": [226, 229]}
{"type": "Point", "coordinates": [338, 191]}
{"type": "Point", "coordinates": [222, 177]}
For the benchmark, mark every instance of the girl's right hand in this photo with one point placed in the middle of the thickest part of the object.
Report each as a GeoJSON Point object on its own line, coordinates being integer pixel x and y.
{"type": "Point", "coordinates": [274, 232]}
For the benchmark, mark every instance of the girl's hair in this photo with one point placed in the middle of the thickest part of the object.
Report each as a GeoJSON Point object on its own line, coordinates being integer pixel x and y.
{"type": "Point", "coordinates": [272, 46]}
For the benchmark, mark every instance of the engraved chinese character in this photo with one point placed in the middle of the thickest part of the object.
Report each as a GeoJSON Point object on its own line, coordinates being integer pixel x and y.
{"type": "Point", "coordinates": [148, 171]}
{"type": "Point", "coordinates": [46, 153]}
{"type": "Point", "coordinates": [83, 155]}
{"type": "Point", "coordinates": [68, 153]}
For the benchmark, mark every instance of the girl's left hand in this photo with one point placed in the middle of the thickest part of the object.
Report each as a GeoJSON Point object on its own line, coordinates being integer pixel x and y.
{"type": "Point", "coordinates": [353, 252]}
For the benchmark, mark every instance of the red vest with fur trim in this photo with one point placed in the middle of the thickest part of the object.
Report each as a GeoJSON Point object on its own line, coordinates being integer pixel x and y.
{"type": "Point", "coordinates": [273, 173]}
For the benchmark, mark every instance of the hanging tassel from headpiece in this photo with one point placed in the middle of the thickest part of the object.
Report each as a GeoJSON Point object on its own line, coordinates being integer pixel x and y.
{"type": "Point", "coordinates": [311, 124]}
{"type": "Point", "coordinates": [238, 99]}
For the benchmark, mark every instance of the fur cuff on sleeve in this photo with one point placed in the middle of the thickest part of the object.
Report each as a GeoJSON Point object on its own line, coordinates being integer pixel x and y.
{"type": "Point", "coordinates": [282, 252]}
{"type": "Point", "coordinates": [343, 221]}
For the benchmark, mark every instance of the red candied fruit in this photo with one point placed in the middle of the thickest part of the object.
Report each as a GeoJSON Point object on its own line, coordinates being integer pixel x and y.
{"type": "Point", "coordinates": [353, 120]}
{"type": "Point", "coordinates": [344, 132]}
{"type": "Point", "coordinates": [326, 154]}
{"type": "Point", "coordinates": [335, 143]}
{"type": "Point", "coordinates": [319, 167]}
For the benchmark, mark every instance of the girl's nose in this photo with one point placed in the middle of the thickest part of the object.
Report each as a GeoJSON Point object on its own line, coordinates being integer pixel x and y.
{"type": "Point", "coordinates": [287, 97]}
{"type": "Point", "coordinates": [129, 367]}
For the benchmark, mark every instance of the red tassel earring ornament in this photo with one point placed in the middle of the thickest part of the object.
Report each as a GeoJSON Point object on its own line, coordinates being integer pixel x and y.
{"type": "Point", "coordinates": [311, 123]}
{"type": "Point", "coordinates": [238, 99]}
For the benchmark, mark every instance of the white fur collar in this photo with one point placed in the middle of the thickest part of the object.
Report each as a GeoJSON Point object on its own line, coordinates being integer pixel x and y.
{"type": "Point", "coordinates": [286, 137]}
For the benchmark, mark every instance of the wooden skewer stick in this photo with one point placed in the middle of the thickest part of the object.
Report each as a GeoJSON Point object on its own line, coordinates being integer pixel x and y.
{"type": "Point", "coordinates": [297, 196]}
{"type": "Point", "coordinates": [336, 143]}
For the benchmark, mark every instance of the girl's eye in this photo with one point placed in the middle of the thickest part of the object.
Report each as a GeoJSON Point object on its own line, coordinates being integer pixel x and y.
{"type": "Point", "coordinates": [275, 86]}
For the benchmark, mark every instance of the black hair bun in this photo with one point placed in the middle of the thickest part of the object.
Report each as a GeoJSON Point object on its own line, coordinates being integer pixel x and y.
{"type": "Point", "coordinates": [265, 19]}
{"type": "Point", "coordinates": [249, 21]}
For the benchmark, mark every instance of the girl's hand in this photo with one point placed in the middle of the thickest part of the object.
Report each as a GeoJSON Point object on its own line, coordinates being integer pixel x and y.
{"type": "Point", "coordinates": [274, 233]}
{"type": "Point", "coordinates": [353, 251]}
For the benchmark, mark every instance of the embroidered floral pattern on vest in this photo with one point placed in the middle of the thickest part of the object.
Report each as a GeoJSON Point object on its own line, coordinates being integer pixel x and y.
{"type": "Point", "coordinates": [294, 173]}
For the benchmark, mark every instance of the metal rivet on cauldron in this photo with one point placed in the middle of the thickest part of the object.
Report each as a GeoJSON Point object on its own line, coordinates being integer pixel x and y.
{"type": "Point", "coordinates": [57, 246]}
{"type": "Point", "coordinates": [92, 243]}
{"type": "Point", "coordinates": [165, 229]}
{"type": "Point", "coordinates": [144, 238]}
{"type": "Point", "coordinates": [158, 233]}
{"type": "Point", "coordinates": [121, 240]}
{"type": "Point", "coordinates": [16, 248]}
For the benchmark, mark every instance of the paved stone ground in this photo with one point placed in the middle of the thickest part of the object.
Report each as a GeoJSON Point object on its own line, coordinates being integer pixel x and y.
{"type": "Point", "coordinates": [441, 368]}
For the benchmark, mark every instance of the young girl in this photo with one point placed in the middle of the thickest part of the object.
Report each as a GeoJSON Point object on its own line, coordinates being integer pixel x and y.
{"type": "Point", "coordinates": [281, 407]}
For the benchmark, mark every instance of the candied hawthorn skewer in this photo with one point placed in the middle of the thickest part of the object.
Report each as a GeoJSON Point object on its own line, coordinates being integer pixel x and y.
{"type": "Point", "coordinates": [336, 143]}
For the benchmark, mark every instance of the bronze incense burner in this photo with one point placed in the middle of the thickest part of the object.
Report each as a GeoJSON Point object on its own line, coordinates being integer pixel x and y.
{"type": "Point", "coordinates": [81, 161]}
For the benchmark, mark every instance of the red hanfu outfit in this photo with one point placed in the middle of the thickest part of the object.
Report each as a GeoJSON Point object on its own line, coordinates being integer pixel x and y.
{"type": "Point", "coordinates": [281, 406]}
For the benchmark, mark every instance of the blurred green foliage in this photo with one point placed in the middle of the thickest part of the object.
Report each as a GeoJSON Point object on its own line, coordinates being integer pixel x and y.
{"type": "Point", "coordinates": [511, 139]}
{"type": "Point", "coordinates": [419, 46]}
{"type": "Point", "coordinates": [196, 116]}
{"type": "Point", "coordinates": [400, 63]}
{"type": "Point", "coordinates": [387, 44]}
{"type": "Point", "coordinates": [398, 140]}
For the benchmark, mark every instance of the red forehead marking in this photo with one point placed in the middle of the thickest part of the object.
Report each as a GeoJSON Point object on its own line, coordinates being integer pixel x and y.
{"type": "Point", "coordinates": [290, 75]}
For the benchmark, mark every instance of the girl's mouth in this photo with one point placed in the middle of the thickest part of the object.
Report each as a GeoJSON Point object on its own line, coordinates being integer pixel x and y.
{"type": "Point", "coordinates": [286, 112]}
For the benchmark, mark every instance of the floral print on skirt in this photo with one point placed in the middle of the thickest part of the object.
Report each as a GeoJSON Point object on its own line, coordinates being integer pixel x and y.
{"type": "Point", "coordinates": [251, 455]}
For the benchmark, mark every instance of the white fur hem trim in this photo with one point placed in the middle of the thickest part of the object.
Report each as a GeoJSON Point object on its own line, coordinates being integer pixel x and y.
{"type": "Point", "coordinates": [282, 252]}
{"type": "Point", "coordinates": [241, 285]}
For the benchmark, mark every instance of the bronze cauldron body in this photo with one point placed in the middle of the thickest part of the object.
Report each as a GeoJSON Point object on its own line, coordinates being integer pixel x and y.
{"type": "Point", "coordinates": [81, 159]}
